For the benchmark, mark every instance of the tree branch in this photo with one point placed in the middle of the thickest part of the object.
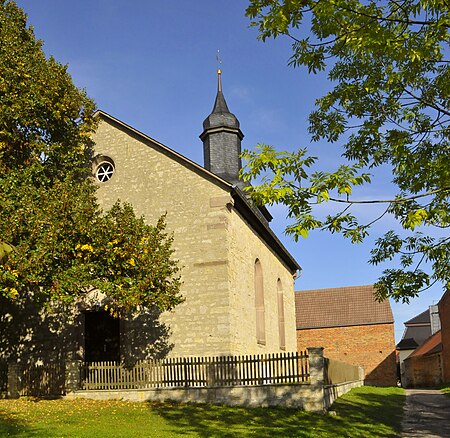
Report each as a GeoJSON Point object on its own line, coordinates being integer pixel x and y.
{"type": "Point", "coordinates": [390, 20]}
{"type": "Point", "coordinates": [429, 104]}
{"type": "Point", "coordinates": [391, 201]}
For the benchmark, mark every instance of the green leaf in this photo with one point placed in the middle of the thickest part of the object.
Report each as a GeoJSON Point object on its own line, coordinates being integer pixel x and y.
{"type": "Point", "coordinates": [5, 249]}
{"type": "Point", "coordinates": [388, 107]}
{"type": "Point", "coordinates": [415, 218]}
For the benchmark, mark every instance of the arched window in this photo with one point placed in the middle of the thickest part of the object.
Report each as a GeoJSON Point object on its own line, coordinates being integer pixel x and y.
{"type": "Point", "coordinates": [281, 327]}
{"type": "Point", "coordinates": [259, 304]}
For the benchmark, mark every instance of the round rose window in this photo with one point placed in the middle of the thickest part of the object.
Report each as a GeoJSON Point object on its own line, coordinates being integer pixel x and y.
{"type": "Point", "coordinates": [104, 171]}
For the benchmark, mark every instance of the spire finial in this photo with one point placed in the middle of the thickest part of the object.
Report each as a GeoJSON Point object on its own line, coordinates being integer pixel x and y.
{"type": "Point", "coordinates": [219, 72]}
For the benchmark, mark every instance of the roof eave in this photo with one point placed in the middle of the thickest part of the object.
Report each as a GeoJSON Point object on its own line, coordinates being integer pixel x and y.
{"type": "Point", "coordinates": [313, 327]}
{"type": "Point", "coordinates": [261, 226]}
{"type": "Point", "coordinates": [168, 151]}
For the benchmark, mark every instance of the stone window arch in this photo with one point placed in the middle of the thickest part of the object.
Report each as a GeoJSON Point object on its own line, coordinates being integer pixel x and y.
{"type": "Point", "coordinates": [103, 168]}
{"type": "Point", "coordinates": [281, 324]}
{"type": "Point", "coordinates": [259, 304]}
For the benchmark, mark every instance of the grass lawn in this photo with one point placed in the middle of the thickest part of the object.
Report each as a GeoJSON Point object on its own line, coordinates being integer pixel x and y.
{"type": "Point", "coordinates": [364, 412]}
{"type": "Point", "coordinates": [446, 390]}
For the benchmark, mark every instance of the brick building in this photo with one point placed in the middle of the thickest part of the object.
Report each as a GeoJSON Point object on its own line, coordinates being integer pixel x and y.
{"type": "Point", "coordinates": [444, 313]}
{"type": "Point", "coordinates": [424, 366]}
{"type": "Point", "coordinates": [417, 331]}
{"type": "Point", "coordinates": [352, 327]}
{"type": "Point", "coordinates": [428, 364]}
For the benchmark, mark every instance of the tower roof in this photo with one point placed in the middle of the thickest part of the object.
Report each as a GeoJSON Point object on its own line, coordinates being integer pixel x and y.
{"type": "Point", "coordinates": [220, 117]}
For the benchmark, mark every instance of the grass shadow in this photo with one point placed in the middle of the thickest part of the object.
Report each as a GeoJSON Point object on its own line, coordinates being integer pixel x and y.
{"type": "Point", "coordinates": [220, 421]}
{"type": "Point", "coordinates": [10, 426]}
{"type": "Point", "coordinates": [446, 389]}
{"type": "Point", "coordinates": [368, 413]}
{"type": "Point", "coordinates": [382, 407]}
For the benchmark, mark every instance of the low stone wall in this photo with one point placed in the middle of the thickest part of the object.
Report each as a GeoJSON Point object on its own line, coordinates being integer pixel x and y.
{"type": "Point", "coordinates": [333, 378]}
{"type": "Point", "coordinates": [332, 392]}
{"type": "Point", "coordinates": [316, 396]}
{"type": "Point", "coordinates": [340, 378]}
{"type": "Point", "coordinates": [303, 396]}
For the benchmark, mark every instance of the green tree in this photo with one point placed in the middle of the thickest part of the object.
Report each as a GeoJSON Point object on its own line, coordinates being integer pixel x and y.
{"type": "Point", "coordinates": [390, 106]}
{"type": "Point", "coordinates": [55, 242]}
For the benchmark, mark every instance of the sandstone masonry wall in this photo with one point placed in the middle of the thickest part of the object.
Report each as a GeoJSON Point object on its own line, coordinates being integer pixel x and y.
{"type": "Point", "coordinates": [245, 248]}
{"type": "Point", "coordinates": [156, 184]}
{"type": "Point", "coordinates": [214, 245]}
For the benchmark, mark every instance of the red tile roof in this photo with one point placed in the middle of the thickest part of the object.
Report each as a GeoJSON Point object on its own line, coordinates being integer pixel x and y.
{"type": "Point", "coordinates": [342, 306]}
{"type": "Point", "coordinates": [432, 345]}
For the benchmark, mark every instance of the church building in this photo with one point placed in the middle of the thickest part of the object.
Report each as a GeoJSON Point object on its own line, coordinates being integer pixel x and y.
{"type": "Point", "coordinates": [238, 278]}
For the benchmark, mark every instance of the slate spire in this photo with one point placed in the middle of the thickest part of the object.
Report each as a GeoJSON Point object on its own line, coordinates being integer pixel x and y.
{"type": "Point", "coordinates": [221, 139]}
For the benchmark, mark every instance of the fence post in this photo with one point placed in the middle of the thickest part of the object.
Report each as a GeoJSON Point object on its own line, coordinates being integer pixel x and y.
{"type": "Point", "coordinates": [316, 373]}
{"type": "Point", "coordinates": [73, 375]}
{"type": "Point", "coordinates": [361, 373]}
{"type": "Point", "coordinates": [13, 380]}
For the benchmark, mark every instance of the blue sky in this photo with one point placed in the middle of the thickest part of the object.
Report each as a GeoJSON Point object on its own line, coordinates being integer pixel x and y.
{"type": "Point", "coordinates": [152, 64]}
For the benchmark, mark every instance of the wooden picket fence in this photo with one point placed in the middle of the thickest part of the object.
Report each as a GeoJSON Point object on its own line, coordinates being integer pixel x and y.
{"type": "Point", "coordinates": [43, 380]}
{"type": "Point", "coordinates": [3, 377]}
{"type": "Point", "coordinates": [191, 372]}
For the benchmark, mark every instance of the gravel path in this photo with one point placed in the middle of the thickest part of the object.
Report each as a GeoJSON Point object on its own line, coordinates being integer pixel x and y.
{"type": "Point", "coordinates": [426, 414]}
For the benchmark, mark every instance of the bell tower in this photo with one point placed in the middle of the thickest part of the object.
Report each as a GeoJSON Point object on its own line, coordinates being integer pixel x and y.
{"type": "Point", "coordinates": [221, 139]}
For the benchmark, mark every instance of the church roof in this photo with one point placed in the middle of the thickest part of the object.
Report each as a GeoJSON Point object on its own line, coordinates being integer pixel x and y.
{"type": "Point", "coordinates": [220, 116]}
{"type": "Point", "coordinates": [252, 215]}
{"type": "Point", "coordinates": [339, 307]}
{"type": "Point", "coordinates": [220, 105]}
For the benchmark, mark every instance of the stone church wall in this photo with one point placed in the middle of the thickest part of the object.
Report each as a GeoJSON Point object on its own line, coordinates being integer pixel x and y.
{"type": "Point", "coordinates": [245, 247]}
{"type": "Point", "coordinates": [216, 249]}
{"type": "Point", "coordinates": [196, 213]}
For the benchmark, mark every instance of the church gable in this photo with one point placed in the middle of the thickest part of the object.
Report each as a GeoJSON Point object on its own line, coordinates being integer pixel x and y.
{"type": "Point", "coordinates": [150, 176]}
{"type": "Point", "coordinates": [156, 181]}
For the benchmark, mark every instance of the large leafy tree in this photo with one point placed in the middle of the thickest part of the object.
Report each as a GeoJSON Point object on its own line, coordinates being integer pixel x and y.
{"type": "Point", "coordinates": [55, 243]}
{"type": "Point", "coordinates": [389, 106]}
